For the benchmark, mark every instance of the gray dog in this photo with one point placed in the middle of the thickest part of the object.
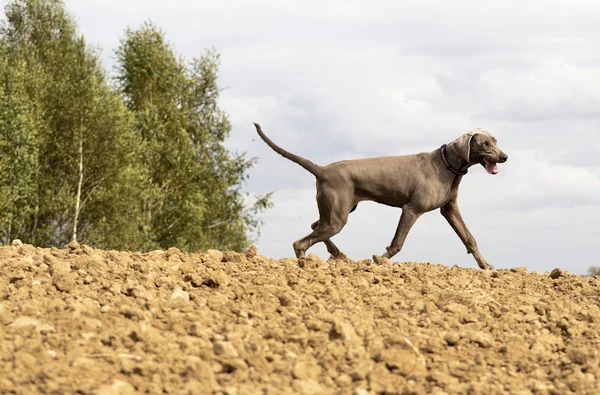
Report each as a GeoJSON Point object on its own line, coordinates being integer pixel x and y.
{"type": "Point", "coordinates": [416, 183]}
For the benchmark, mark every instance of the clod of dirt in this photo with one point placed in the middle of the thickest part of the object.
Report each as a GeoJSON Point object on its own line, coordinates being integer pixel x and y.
{"type": "Point", "coordinates": [342, 330]}
{"type": "Point", "coordinates": [225, 349]}
{"type": "Point", "coordinates": [82, 320]}
{"type": "Point", "coordinates": [235, 257]}
{"type": "Point", "coordinates": [215, 255]}
{"type": "Point", "coordinates": [118, 387]}
{"type": "Point", "coordinates": [63, 280]}
{"type": "Point", "coordinates": [216, 279]}
{"type": "Point", "coordinates": [73, 245]}
{"type": "Point", "coordinates": [251, 252]}
{"type": "Point", "coordinates": [556, 273]}
{"type": "Point", "coordinates": [401, 361]}
{"type": "Point", "coordinates": [452, 338]}
{"type": "Point", "coordinates": [483, 339]}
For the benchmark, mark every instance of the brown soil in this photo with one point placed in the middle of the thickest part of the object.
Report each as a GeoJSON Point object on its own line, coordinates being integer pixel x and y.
{"type": "Point", "coordinates": [105, 322]}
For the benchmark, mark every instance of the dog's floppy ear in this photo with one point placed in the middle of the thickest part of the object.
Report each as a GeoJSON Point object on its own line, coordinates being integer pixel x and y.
{"type": "Point", "coordinates": [462, 145]}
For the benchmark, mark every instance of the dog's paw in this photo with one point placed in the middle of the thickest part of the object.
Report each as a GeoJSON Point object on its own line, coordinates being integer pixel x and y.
{"type": "Point", "coordinates": [486, 266]}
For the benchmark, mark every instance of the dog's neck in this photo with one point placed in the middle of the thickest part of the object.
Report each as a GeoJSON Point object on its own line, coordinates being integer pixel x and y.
{"type": "Point", "coordinates": [453, 162]}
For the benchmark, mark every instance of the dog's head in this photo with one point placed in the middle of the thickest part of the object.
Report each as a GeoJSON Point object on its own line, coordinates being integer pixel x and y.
{"type": "Point", "coordinates": [478, 146]}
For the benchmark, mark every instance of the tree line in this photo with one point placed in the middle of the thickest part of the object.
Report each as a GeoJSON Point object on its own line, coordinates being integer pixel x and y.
{"type": "Point", "coordinates": [133, 160]}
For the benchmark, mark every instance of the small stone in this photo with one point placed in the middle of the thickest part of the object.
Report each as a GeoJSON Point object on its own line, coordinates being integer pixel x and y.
{"type": "Point", "coordinates": [225, 349]}
{"type": "Point", "coordinates": [179, 296]}
{"type": "Point", "coordinates": [16, 243]}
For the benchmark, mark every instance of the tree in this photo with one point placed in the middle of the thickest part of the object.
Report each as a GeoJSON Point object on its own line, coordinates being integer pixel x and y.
{"type": "Point", "coordinates": [86, 150]}
{"type": "Point", "coordinates": [139, 167]}
{"type": "Point", "coordinates": [18, 150]}
{"type": "Point", "coordinates": [199, 203]}
{"type": "Point", "coordinates": [594, 271]}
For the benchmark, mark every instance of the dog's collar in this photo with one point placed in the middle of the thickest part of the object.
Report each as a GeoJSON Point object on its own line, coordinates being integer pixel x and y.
{"type": "Point", "coordinates": [447, 164]}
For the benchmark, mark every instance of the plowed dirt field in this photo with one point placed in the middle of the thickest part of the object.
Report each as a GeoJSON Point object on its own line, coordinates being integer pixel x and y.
{"type": "Point", "coordinates": [87, 321]}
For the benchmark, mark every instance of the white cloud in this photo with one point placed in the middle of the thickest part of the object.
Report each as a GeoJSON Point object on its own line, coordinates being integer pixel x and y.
{"type": "Point", "coordinates": [530, 177]}
{"type": "Point", "coordinates": [554, 88]}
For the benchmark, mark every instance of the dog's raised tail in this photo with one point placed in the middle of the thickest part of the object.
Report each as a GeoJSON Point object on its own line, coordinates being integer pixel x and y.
{"type": "Point", "coordinates": [308, 165]}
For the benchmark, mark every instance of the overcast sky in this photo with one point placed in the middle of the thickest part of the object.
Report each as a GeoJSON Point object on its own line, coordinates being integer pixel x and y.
{"type": "Point", "coordinates": [346, 79]}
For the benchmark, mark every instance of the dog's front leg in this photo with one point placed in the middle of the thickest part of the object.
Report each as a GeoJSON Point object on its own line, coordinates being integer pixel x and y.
{"type": "Point", "coordinates": [407, 220]}
{"type": "Point", "coordinates": [452, 214]}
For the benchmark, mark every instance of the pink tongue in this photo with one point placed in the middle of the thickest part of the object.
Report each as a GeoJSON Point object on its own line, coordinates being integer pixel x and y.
{"type": "Point", "coordinates": [491, 167]}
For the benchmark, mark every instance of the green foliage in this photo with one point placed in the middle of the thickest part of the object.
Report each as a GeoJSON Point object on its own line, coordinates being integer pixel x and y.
{"type": "Point", "coordinates": [69, 104]}
{"type": "Point", "coordinates": [139, 167]}
{"type": "Point", "coordinates": [18, 151]}
{"type": "Point", "coordinates": [594, 271]}
{"type": "Point", "coordinates": [199, 204]}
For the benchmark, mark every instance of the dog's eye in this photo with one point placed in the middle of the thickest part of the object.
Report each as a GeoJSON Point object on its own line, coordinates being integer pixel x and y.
{"type": "Point", "coordinates": [484, 144]}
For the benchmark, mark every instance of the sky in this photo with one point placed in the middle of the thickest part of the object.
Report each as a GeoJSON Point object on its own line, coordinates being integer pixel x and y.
{"type": "Point", "coordinates": [351, 79]}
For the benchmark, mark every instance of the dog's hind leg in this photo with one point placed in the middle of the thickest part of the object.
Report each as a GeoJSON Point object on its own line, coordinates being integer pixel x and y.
{"type": "Point", "coordinates": [333, 215]}
{"type": "Point", "coordinates": [331, 247]}
{"type": "Point", "coordinates": [322, 232]}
